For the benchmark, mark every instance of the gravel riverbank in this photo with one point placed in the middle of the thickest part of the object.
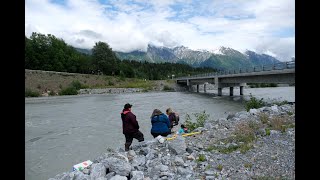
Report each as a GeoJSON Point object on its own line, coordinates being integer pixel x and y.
{"type": "Point", "coordinates": [259, 144]}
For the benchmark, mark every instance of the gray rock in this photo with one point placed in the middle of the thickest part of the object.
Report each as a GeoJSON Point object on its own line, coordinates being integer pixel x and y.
{"type": "Point", "coordinates": [118, 177]}
{"type": "Point", "coordinates": [137, 175]}
{"type": "Point", "coordinates": [253, 111]}
{"type": "Point", "coordinates": [178, 145]}
{"type": "Point", "coordinates": [275, 108]}
{"type": "Point", "coordinates": [189, 150]}
{"type": "Point", "coordinates": [210, 177]}
{"type": "Point", "coordinates": [230, 116]}
{"type": "Point", "coordinates": [77, 175]}
{"type": "Point", "coordinates": [274, 132]}
{"type": "Point", "coordinates": [151, 154]}
{"type": "Point", "coordinates": [138, 161]}
{"type": "Point", "coordinates": [131, 153]}
{"type": "Point", "coordinates": [164, 168]}
{"type": "Point", "coordinates": [178, 161]}
{"type": "Point", "coordinates": [209, 173]}
{"type": "Point", "coordinates": [86, 171]}
{"type": "Point", "coordinates": [110, 175]}
{"type": "Point", "coordinates": [191, 157]}
{"type": "Point", "coordinates": [98, 170]}
{"type": "Point", "coordinates": [119, 166]}
{"type": "Point", "coordinates": [101, 178]}
{"type": "Point", "coordinates": [183, 171]}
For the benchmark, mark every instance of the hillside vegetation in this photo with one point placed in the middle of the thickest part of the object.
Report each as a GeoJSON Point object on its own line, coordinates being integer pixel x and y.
{"type": "Point", "coordinates": [46, 52]}
{"type": "Point", "coordinates": [49, 83]}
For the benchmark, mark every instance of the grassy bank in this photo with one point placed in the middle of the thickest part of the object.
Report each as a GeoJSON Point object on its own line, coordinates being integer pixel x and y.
{"type": "Point", "coordinates": [42, 83]}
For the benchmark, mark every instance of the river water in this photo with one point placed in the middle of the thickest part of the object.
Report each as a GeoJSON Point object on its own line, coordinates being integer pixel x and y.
{"type": "Point", "coordinates": [62, 131]}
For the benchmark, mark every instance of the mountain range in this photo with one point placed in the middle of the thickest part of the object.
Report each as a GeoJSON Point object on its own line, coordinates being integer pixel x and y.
{"type": "Point", "coordinates": [220, 58]}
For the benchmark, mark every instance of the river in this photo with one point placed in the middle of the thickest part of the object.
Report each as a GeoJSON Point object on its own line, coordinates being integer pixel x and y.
{"type": "Point", "coordinates": [61, 131]}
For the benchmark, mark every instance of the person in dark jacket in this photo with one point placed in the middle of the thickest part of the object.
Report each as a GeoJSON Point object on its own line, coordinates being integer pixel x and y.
{"type": "Point", "coordinates": [160, 124]}
{"type": "Point", "coordinates": [173, 117]}
{"type": "Point", "coordinates": [130, 126]}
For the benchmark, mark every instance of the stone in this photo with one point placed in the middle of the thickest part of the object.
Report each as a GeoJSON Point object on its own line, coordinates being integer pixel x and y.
{"type": "Point", "coordinates": [178, 161]}
{"type": "Point", "coordinates": [110, 175]}
{"type": "Point", "coordinates": [118, 177]}
{"type": "Point", "coordinates": [253, 111]}
{"type": "Point", "coordinates": [97, 170]}
{"type": "Point", "coordinates": [119, 166]}
{"type": "Point", "coordinates": [137, 175]}
{"type": "Point", "coordinates": [177, 145]}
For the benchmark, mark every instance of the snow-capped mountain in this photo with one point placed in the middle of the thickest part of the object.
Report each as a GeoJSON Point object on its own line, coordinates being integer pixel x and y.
{"type": "Point", "coordinates": [219, 58]}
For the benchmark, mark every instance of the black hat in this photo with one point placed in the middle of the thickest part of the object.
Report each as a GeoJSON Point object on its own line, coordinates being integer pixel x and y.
{"type": "Point", "coordinates": [127, 106]}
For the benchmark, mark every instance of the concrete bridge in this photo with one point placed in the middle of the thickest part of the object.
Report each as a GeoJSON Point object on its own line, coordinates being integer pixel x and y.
{"type": "Point", "coordinates": [276, 73]}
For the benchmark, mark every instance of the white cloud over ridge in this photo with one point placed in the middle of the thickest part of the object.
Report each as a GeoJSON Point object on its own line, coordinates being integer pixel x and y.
{"type": "Point", "coordinates": [265, 26]}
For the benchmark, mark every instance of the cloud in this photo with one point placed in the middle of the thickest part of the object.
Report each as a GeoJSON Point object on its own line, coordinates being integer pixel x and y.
{"type": "Point", "coordinates": [260, 25]}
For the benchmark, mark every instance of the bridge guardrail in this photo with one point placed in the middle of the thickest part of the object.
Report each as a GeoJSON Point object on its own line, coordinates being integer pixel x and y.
{"type": "Point", "coordinates": [269, 67]}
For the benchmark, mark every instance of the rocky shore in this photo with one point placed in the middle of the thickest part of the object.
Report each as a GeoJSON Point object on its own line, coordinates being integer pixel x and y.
{"type": "Point", "coordinates": [259, 144]}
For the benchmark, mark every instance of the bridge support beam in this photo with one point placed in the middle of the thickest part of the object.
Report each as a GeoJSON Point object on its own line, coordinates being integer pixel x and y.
{"type": "Point", "coordinates": [219, 91]}
{"type": "Point", "coordinates": [205, 87]}
{"type": "Point", "coordinates": [241, 90]}
{"type": "Point", "coordinates": [197, 88]}
{"type": "Point", "coordinates": [231, 91]}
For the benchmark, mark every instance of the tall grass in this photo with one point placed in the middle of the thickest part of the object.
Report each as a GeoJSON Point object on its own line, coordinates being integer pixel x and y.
{"type": "Point", "coordinates": [30, 93]}
{"type": "Point", "coordinates": [200, 120]}
{"type": "Point", "coordinates": [72, 89]}
{"type": "Point", "coordinates": [254, 103]}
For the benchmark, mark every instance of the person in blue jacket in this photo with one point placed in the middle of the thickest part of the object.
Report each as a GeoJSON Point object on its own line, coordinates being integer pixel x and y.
{"type": "Point", "coordinates": [160, 124]}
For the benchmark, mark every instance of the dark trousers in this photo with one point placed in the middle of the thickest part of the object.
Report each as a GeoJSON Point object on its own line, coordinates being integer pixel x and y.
{"type": "Point", "coordinates": [162, 134]}
{"type": "Point", "coordinates": [137, 135]}
{"type": "Point", "coordinates": [129, 138]}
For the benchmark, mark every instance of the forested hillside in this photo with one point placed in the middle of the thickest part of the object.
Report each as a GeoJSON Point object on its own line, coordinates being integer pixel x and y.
{"type": "Point", "coordinates": [47, 52]}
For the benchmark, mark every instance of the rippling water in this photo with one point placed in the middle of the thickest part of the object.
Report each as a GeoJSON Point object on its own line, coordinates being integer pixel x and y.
{"type": "Point", "coordinates": [66, 130]}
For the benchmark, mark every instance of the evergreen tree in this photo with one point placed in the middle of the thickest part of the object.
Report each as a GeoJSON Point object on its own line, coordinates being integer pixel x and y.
{"type": "Point", "coordinates": [104, 59]}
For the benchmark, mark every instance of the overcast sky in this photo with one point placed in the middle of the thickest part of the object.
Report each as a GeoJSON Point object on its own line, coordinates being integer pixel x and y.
{"type": "Point", "coordinates": [264, 26]}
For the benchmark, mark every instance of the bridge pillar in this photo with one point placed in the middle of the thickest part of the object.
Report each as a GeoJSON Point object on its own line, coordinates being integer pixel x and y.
{"type": "Point", "coordinates": [190, 88]}
{"type": "Point", "coordinates": [231, 91]}
{"type": "Point", "coordinates": [205, 87]}
{"type": "Point", "coordinates": [219, 91]}
{"type": "Point", "coordinates": [197, 87]}
{"type": "Point", "coordinates": [241, 90]}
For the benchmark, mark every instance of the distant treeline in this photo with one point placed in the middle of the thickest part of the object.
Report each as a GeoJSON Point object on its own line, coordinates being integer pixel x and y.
{"type": "Point", "coordinates": [46, 52]}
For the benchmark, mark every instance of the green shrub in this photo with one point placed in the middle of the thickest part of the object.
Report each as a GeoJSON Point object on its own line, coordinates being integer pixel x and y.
{"type": "Point", "coordinates": [267, 131]}
{"type": "Point", "coordinates": [248, 165]}
{"type": "Point", "coordinates": [229, 149]}
{"type": "Point", "coordinates": [72, 89]}
{"type": "Point", "coordinates": [52, 93]}
{"type": "Point", "coordinates": [254, 103]}
{"type": "Point", "coordinates": [200, 120]}
{"type": "Point", "coordinates": [122, 78]}
{"type": "Point", "coordinates": [167, 88]}
{"type": "Point", "coordinates": [76, 84]}
{"type": "Point", "coordinates": [110, 83]}
{"type": "Point", "coordinates": [202, 158]}
{"type": "Point", "coordinates": [219, 167]}
{"type": "Point", "coordinates": [68, 91]}
{"type": "Point", "coordinates": [273, 85]}
{"type": "Point", "coordinates": [245, 147]}
{"type": "Point", "coordinates": [264, 118]}
{"type": "Point", "coordinates": [208, 167]}
{"type": "Point", "coordinates": [290, 113]}
{"type": "Point", "coordinates": [210, 148]}
{"type": "Point", "coordinates": [30, 93]}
